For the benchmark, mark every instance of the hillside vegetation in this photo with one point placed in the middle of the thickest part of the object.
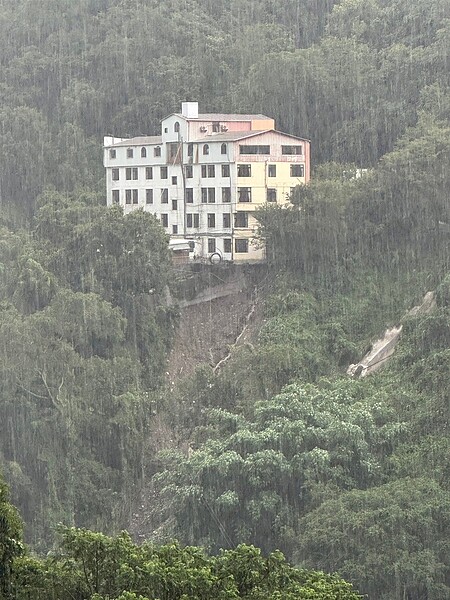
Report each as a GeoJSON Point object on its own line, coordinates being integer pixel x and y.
{"type": "Point", "coordinates": [279, 448]}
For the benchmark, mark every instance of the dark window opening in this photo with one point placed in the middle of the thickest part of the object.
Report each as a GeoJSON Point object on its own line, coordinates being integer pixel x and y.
{"type": "Point", "coordinates": [226, 194]}
{"type": "Point", "coordinates": [241, 219]}
{"type": "Point", "coordinates": [227, 245]}
{"type": "Point", "coordinates": [189, 172]}
{"type": "Point", "coordinates": [244, 194]}
{"type": "Point", "coordinates": [164, 196]}
{"type": "Point", "coordinates": [244, 170]}
{"type": "Point", "coordinates": [149, 196]}
{"type": "Point", "coordinates": [254, 149]}
{"type": "Point", "coordinates": [271, 195]}
{"type": "Point", "coordinates": [241, 246]}
{"type": "Point", "coordinates": [130, 153]}
{"type": "Point", "coordinates": [157, 151]}
{"type": "Point", "coordinates": [227, 220]}
{"type": "Point", "coordinates": [272, 171]}
{"type": "Point", "coordinates": [115, 197]}
{"type": "Point", "coordinates": [223, 149]}
{"type": "Point", "coordinates": [205, 149]}
{"type": "Point", "coordinates": [115, 174]}
{"type": "Point", "coordinates": [112, 153]}
{"type": "Point", "coordinates": [208, 195]}
{"type": "Point", "coordinates": [143, 152]}
{"type": "Point", "coordinates": [297, 170]}
{"type": "Point", "coordinates": [211, 245]}
{"type": "Point", "coordinates": [292, 150]}
{"type": "Point", "coordinates": [148, 172]}
{"type": "Point", "coordinates": [225, 170]}
{"type": "Point", "coordinates": [189, 195]}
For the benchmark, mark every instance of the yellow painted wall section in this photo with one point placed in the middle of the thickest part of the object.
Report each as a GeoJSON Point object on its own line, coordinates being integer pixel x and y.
{"type": "Point", "coordinates": [263, 124]}
{"type": "Point", "coordinates": [260, 181]}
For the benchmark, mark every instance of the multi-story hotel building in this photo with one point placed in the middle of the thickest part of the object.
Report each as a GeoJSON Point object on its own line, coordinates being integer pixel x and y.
{"type": "Point", "coordinates": [205, 175]}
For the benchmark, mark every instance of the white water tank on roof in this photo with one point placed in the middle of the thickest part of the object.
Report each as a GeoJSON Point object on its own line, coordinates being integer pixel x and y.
{"type": "Point", "coordinates": [189, 110]}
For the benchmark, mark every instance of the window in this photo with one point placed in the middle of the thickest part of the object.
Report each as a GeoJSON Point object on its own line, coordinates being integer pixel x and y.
{"type": "Point", "coordinates": [164, 219]}
{"type": "Point", "coordinates": [135, 196]}
{"type": "Point", "coordinates": [115, 197]}
{"type": "Point", "coordinates": [292, 150]}
{"type": "Point", "coordinates": [174, 180]}
{"type": "Point", "coordinates": [297, 170]}
{"type": "Point", "coordinates": [166, 130]}
{"type": "Point", "coordinates": [148, 172]}
{"type": "Point", "coordinates": [131, 173]}
{"type": "Point", "coordinates": [143, 152]}
{"type": "Point", "coordinates": [226, 194]}
{"type": "Point", "coordinates": [128, 173]}
{"type": "Point", "coordinates": [176, 127]}
{"type": "Point", "coordinates": [174, 229]}
{"type": "Point", "coordinates": [241, 219]}
{"type": "Point", "coordinates": [223, 149]}
{"type": "Point", "coordinates": [226, 220]}
{"type": "Point", "coordinates": [272, 170]}
{"type": "Point", "coordinates": [174, 152]}
{"type": "Point", "coordinates": [208, 171]}
{"type": "Point", "coordinates": [205, 149]}
{"type": "Point", "coordinates": [227, 246]}
{"type": "Point", "coordinates": [189, 195]}
{"type": "Point", "coordinates": [240, 246]}
{"type": "Point", "coordinates": [127, 196]}
{"type": "Point", "coordinates": [163, 172]}
{"type": "Point", "coordinates": [211, 245]}
{"type": "Point", "coordinates": [211, 220]}
{"type": "Point", "coordinates": [190, 149]}
{"type": "Point", "coordinates": [244, 170]}
{"type": "Point", "coordinates": [193, 221]}
{"type": "Point", "coordinates": [254, 149]}
{"type": "Point", "coordinates": [148, 196]}
{"type": "Point", "coordinates": [244, 194]}
{"type": "Point", "coordinates": [112, 153]}
{"type": "Point", "coordinates": [164, 196]}
{"type": "Point", "coordinates": [208, 195]}
{"type": "Point", "coordinates": [189, 171]}
{"type": "Point", "coordinates": [216, 127]}
{"type": "Point", "coordinates": [115, 174]}
{"type": "Point", "coordinates": [271, 195]}
{"type": "Point", "coordinates": [157, 151]}
{"type": "Point", "coordinates": [134, 173]}
{"type": "Point", "coordinates": [130, 153]}
{"type": "Point", "coordinates": [174, 204]}
{"type": "Point", "coordinates": [225, 170]}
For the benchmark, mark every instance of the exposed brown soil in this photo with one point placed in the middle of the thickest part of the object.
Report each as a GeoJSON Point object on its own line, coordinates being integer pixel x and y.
{"type": "Point", "coordinates": [208, 330]}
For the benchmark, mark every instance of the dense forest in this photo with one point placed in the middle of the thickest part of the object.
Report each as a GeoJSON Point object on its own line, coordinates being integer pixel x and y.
{"type": "Point", "coordinates": [279, 448]}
